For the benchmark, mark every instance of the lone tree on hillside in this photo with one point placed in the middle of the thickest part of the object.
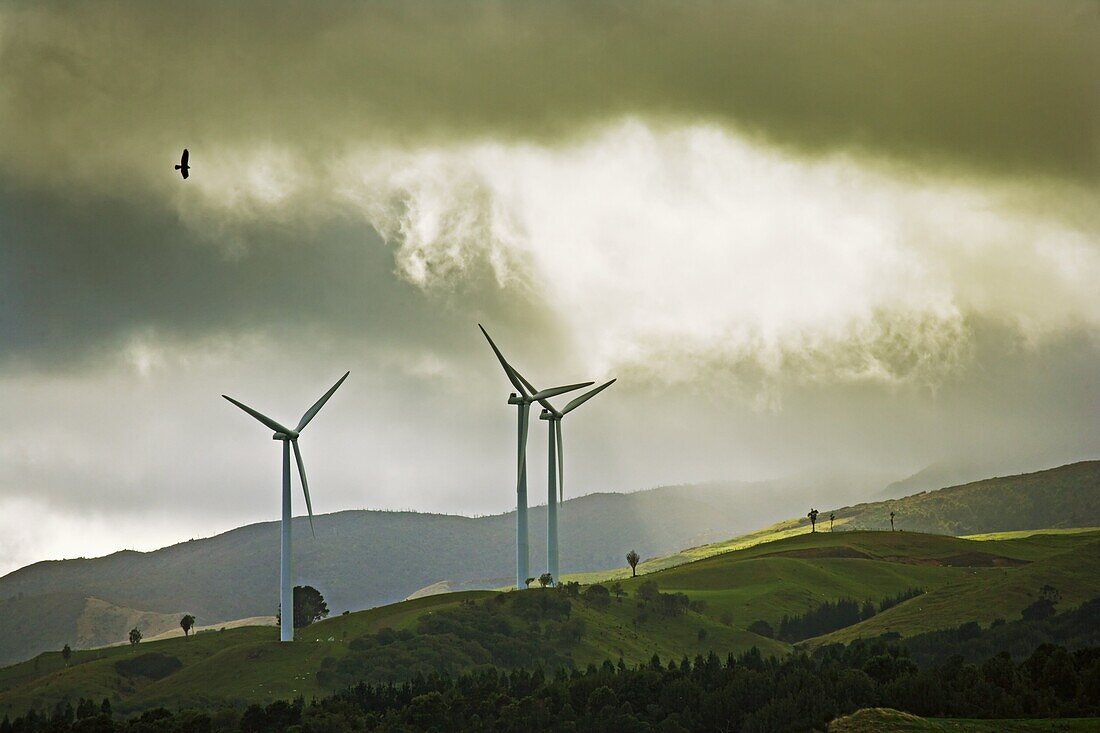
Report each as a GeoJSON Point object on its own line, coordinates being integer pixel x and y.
{"type": "Point", "coordinates": [812, 514]}
{"type": "Point", "coordinates": [632, 558]}
{"type": "Point", "coordinates": [891, 521]}
{"type": "Point", "coordinates": [66, 653]}
{"type": "Point", "coordinates": [617, 591]}
{"type": "Point", "coordinates": [546, 579]}
{"type": "Point", "coordinates": [135, 636]}
{"type": "Point", "coordinates": [832, 516]}
{"type": "Point", "coordinates": [309, 606]}
{"type": "Point", "coordinates": [186, 623]}
{"type": "Point", "coordinates": [527, 583]}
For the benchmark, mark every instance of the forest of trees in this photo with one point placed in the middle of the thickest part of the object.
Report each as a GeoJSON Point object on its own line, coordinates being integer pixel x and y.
{"type": "Point", "coordinates": [747, 693]}
{"type": "Point", "coordinates": [830, 616]}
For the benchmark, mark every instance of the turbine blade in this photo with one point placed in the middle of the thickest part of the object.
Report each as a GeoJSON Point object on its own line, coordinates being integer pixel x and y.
{"type": "Point", "coordinates": [530, 387]}
{"type": "Point", "coordinates": [319, 404]}
{"type": "Point", "coordinates": [305, 484]}
{"type": "Point", "coordinates": [259, 416]}
{"type": "Point", "coordinates": [513, 375]}
{"type": "Point", "coordinates": [561, 463]}
{"type": "Point", "coordinates": [544, 394]}
{"type": "Point", "coordinates": [578, 401]}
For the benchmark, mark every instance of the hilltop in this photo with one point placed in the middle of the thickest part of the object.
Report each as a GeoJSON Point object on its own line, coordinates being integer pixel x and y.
{"type": "Point", "coordinates": [1058, 498]}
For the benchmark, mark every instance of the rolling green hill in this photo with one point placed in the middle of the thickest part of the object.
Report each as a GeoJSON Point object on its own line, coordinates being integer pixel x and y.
{"type": "Point", "coordinates": [249, 664]}
{"type": "Point", "coordinates": [360, 559]}
{"type": "Point", "coordinates": [1067, 498]}
{"type": "Point", "coordinates": [963, 580]}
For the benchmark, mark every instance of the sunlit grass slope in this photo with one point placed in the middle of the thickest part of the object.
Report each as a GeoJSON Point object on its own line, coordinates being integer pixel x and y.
{"type": "Point", "coordinates": [1000, 594]}
{"type": "Point", "coordinates": [789, 576]}
{"type": "Point", "coordinates": [1066, 498]}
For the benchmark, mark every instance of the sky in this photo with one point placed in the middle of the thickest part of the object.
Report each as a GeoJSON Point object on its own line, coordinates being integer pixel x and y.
{"type": "Point", "coordinates": [858, 237]}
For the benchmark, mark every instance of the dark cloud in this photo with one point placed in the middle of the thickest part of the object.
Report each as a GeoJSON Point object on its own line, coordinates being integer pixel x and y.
{"type": "Point", "coordinates": [989, 86]}
{"type": "Point", "coordinates": [80, 277]}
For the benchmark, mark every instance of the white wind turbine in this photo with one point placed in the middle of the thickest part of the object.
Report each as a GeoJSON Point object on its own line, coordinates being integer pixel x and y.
{"type": "Point", "coordinates": [526, 395]}
{"type": "Point", "coordinates": [289, 438]}
{"type": "Point", "coordinates": [556, 461]}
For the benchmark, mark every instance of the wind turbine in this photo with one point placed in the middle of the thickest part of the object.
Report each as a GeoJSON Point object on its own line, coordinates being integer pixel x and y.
{"type": "Point", "coordinates": [556, 461]}
{"type": "Point", "coordinates": [522, 398]}
{"type": "Point", "coordinates": [289, 438]}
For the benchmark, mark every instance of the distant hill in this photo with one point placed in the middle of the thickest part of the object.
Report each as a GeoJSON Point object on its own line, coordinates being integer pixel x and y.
{"type": "Point", "coordinates": [361, 559]}
{"type": "Point", "coordinates": [1063, 497]}
{"type": "Point", "coordinates": [937, 476]}
{"type": "Point", "coordinates": [1067, 496]}
{"type": "Point", "coordinates": [30, 623]}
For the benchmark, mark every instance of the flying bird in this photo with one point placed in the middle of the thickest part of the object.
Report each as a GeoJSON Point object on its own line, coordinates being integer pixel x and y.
{"type": "Point", "coordinates": [183, 167]}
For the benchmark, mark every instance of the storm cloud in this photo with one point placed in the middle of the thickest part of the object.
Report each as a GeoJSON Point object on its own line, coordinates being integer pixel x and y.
{"type": "Point", "coordinates": [986, 86]}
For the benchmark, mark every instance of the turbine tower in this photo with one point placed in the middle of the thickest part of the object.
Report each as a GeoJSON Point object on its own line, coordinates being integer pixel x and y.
{"type": "Point", "coordinates": [556, 461]}
{"type": "Point", "coordinates": [522, 398]}
{"type": "Point", "coordinates": [289, 438]}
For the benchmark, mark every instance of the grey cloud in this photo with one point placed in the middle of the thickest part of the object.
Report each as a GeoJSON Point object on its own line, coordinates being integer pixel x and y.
{"type": "Point", "coordinates": [96, 93]}
{"type": "Point", "coordinates": [79, 277]}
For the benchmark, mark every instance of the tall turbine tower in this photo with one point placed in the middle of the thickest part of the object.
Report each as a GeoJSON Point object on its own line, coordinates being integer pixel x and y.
{"type": "Point", "coordinates": [556, 461]}
{"type": "Point", "coordinates": [289, 438]}
{"type": "Point", "coordinates": [523, 397]}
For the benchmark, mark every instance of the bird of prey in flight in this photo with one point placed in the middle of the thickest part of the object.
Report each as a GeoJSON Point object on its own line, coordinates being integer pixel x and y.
{"type": "Point", "coordinates": [183, 167]}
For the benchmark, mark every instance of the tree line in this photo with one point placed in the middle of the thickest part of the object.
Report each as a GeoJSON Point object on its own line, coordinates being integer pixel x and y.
{"type": "Point", "coordinates": [745, 693]}
{"type": "Point", "coordinates": [829, 616]}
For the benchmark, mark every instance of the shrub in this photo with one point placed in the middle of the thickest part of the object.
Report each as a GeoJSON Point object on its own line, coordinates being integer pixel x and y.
{"type": "Point", "coordinates": [597, 596]}
{"type": "Point", "coordinates": [153, 665]}
{"type": "Point", "coordinates": [762, 628]}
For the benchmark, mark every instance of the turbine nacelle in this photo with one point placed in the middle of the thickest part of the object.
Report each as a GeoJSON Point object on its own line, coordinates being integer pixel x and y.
{"type": "Point", "coordinates": [285, 436]}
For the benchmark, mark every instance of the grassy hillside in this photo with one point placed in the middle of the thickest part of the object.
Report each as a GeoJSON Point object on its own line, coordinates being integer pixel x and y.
{"type": "Point", "coordinates": [249, 664]}
{"type": "Point", "coordinates": [1066, 498]}
{"type": "Point", "coordinates": [361, 559]}
{"type": "Point", "coordinates": [789, 576]}
{"type": "Point", "coordinates": [964, 580]}
{"type": "Point", "coordinates": [28, 623]}
{"type": "Point", "coordinates": [1002, 593]}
